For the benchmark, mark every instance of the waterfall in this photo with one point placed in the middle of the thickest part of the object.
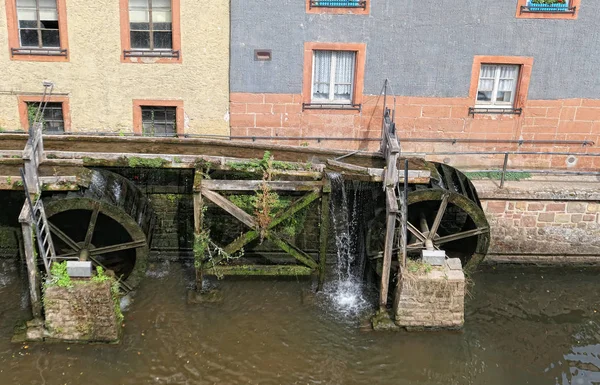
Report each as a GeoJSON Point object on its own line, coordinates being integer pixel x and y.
{"type": "Point", "coordinates": [346, 288]}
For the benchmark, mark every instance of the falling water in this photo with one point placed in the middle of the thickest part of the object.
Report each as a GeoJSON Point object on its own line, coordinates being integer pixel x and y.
{"type": "Point", "coordinates": [346, 289]}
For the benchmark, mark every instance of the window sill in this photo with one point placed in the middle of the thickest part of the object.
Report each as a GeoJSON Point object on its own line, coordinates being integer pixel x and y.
{"type": "Point", "coordinates": [39, 54]}
{"type": "Point", "coordinates": [147, 56]}
{"type": "Point", "coordinates": [332, 106]}
{"type": "Point", "coordinates": [494, 111]}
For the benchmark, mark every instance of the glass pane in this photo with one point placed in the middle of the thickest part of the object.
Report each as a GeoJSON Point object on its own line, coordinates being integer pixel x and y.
{"type": "Point", "coordinates": [146, 115]}
{"type": "Point", "coordinates": [162, 26]}
{"type": "Point", "coordinates": [170, 129]}
{"type": "Point", "coordinates": [139, 26]}
{"type": "Point", "coordinates": [50, 4]}
{"type": "Point", "coordinates": [29, 38]}
{"type": "Point", "coordinates": [140, 39]}
{"type": "Point", "coordinates": [139, 17]}
{"type": "Point", "coordinates": [484, 96]}
{"type": "Point", "coordinates": [50, 38]}
{"type": "Point", "coordinates": [159, 16]}
{"type": "Point", "coordinates": [161, 4]}
{"type": "Point", "coordinates": [344, 75]}
{"type": "Point", "coordinates": [162, 40]}
{"type": "Point", "coordinates": [504, 97]}
{"type": "Point", "coordinates": [143, 4]}
{"type": "Point", "coordinates": [321, 74]}
{"type": "Point", "coordinates": [48, 14]}
{"type": "Point", "coordinates": [27, 24]}
{"type": "Point", "coordinates": [26, 4]}
{"type": "Point", "coordinates": [49, 24]}
{"type": "Point", "coordinates": [170, 114]}
{"type": "Point", "coordinates": [26, 14]}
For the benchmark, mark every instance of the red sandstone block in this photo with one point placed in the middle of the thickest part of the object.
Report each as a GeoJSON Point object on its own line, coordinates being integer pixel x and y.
{"type": "Point", "coordinates": [239, 131]}
{"type": "Point", "coordinates": [279, 98]}
{"type": "Point", "coordinates": [572, 102]}
{"type": "Point", "coordinates": [242, 120]}
{"type": "Point", "coordinates": [536, 112]}
{"type": "Point", "coordinates": [240, 97]}
{"type": "Point", "coordinates": [556, 207]}
{"type": "Point", "coordinates": [295, 108]}
{"type": "Point", "coordinates": [535, 207]}
{"type": "Point", "coordinates": [545, 122]}
{"type": "Point", "coordinates": [587, 113]}
{"type": "Point", "coordinates": [590, 103]}
{"type": "Point", "coordinates": [407, 111]}
{"type": "Point", "coordinates": [544, 103]}
{"type": "Point", "coordinates": [268, 120]}
{"type": "Point", "coordinates": [553, 112]}
{"type": "Point", "coordinates": [577, 127]}
{"type": "Point", "coordinates": [496, 206]}
{"type": "Point", "coordinates": [436, 111]}
{"type": "Point", "coordinates": [568, 113]}
{"type": "Point", "coordinates": [237, 108]}
{"type": "Point", "coordinates": [528, 221]}
{"type": "Point", "coordinates": [259, 108]}
{"type": "Point", "coordinates": [260, 131]}
{"type": "Point", "coordinates": [278, 108]}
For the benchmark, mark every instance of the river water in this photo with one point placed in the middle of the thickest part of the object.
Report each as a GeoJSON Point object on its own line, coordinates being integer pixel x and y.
{"type": "Point", "coordinates": [523, 326]}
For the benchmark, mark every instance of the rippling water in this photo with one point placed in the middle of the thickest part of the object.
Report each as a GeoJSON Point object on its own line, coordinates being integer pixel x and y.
{"type": "Point", "coordinates": [523, 326]}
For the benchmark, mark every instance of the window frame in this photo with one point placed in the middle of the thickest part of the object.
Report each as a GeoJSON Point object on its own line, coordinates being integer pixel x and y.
{"type": "Point", "coordinates": [548, 15]}
{"type": "Point", "coordinates": [137, 115]}
{"type": "Point", "coordinates": [23, 115]}
{"type": "Point", "coordinates": [140, 55]}
{"type": "Point", "coordinates": [50, 54]}
{"type": "Point", "coordinates": [342, 10]}
{"type": "Point", "coordinates": [522, 86]}
{"type": "Point", "coordinates": [494, 102]}
{"type": "Point", "coordinates": [359, 73]}
{"type": "Point", "coordinates": [331, 98]}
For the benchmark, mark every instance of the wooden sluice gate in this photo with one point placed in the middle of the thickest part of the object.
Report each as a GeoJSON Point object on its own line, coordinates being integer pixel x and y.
{"type": "Point", "coordinates": [73, 177]}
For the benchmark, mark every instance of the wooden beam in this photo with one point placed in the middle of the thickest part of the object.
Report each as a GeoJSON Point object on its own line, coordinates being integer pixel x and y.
{"type": "Point", "coordinates": [292, 250]}
{"type": "Point", "coordinates": [260, 270]}
{"type": "Point", "coordinates": [31, 262]}
{"type": "Point", "coordinates": [253, 185]}
{"type": "Point", "coordinates": [323, 239]}
{"type": "Point", "coordinates": [230, 207]}
{"type": "Point", "coordinates": [387, 258]}
{"type": "Point", "coordinates": [376, 174]}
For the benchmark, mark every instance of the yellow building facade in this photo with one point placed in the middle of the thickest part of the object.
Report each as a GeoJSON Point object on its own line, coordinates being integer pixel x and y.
{"type": "Point", "coordinates": [113, 61]}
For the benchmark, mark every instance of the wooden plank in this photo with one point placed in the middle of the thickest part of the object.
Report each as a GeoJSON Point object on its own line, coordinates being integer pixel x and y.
{"type": "Point", "coordinates": [391, 200]}
{"type": "Point", "coordinates": [253, 185]}
{"type": "Point", "coordinates": [323, 239]}
{"type": "Point", "coordinates": [387, 260]}
{"type": "Point", "coordinates": [231, 208]}
{"type": "Point", "coordinates": [292, 250]}
{"type": "Point", "coordinates": [32, 267]}
{"type": "Point", "coordinates": [260, 270]}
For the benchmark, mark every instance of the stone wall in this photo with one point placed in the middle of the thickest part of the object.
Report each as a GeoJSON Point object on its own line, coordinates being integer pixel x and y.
{"type": "Point", "coordinates": [173, 235]}
{"type": "Point", "coordinates": [85, 312]}
{"type": "Point", "coordinates": [431, 300]}
{"type": "Point", "coordinates": [543, 231]}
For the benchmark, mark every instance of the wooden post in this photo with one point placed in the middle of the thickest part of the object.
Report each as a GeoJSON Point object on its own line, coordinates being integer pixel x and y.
{"type": "Point", "coordinates": [387, 259]}
{"type": "Point", "coordinates": [323, 235]}
{"type": "Point", "coordinates": [198, 218]}
{"type": "Point", "coordinates": [30, 260]}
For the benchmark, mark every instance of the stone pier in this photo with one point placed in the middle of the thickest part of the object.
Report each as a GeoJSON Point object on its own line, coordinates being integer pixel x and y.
{"type": "Point", "coordinates": [433, 299]}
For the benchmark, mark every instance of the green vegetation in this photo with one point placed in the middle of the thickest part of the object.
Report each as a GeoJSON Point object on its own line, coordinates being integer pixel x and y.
{"type": "Point", "coordinates": [418, 267]}
{"type": "Point", "coordinates": [267, 163]}
{"type": "Point", "coordinates": [59, 275]}
{"type": "Point", "coordinates": [100, 275]}
{"type": "Point", "coordinates": [135, 161]}
{"type": "Point", "coordinates": [51, 156]}
{"type": "Point", "coordinates": [177, 159]}
{"type": "Point", "coordinates": [497, 175]}
{"type": "Point", "coordinates": [8, 180]}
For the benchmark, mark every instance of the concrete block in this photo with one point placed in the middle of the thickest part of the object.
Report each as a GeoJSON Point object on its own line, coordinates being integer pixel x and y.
{"type": "Point", "coordinates": [79, 269]}
{"type": "Point", "coordinates": [434, 257]}
{"type": "Point", "coordinates": [454, 264]}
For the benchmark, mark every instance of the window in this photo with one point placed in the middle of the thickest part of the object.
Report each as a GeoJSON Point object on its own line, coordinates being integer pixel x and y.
{"type": "Point", "coordinates": [333, 76]}
{"type": "Point", "coordinates": [158, 117]}
{"type": "Point", "coordinates": [548, 9]}
{"type": "Point", "coordinates": [338, 3]}
{"type": "Point", "coordinates": [37, 30]}
{"type": "Point", "coordinates": [150, 28]}
{"type": "Point", "coordinates": [52, 117]}
{"type": "Point", "coordinates": [497, 85]}
{"type": "Point", "coordinates": [159, 121]}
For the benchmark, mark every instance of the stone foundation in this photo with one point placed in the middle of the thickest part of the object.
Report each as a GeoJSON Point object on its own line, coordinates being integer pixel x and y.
{"type": "Point", "coordinates": [84, 313]}
{"type": "Point", "coordinates": [433, 300]}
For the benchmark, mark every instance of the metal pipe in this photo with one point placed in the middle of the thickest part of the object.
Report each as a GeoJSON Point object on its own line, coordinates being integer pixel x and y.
{"type": "Point", "coordinates": [504, 170]}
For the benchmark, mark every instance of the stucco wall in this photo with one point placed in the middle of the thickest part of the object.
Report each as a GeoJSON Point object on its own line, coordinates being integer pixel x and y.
{"type": "Point", "coordinates": [101, 88]}
{"type": "Point", "coordinates": [425, 47]}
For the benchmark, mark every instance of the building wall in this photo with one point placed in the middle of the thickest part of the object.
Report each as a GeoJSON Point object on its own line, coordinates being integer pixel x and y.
{"type": "Point", "coordinates": [101, 88]}
{"type": "Point", "coordinates": [426, 49]}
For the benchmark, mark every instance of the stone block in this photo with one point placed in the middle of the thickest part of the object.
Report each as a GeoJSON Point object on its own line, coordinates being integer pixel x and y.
{"type": "Point", "coordinates": [546, 217]}
{"type": "Point", "coordinates": [576, 218]}
{"type": "Point", "coordinates": [589, 217]}
{"type": "Point", "coordinates": [593, 208]}
{"type": "Point", "coordinates": [576, 207]}
{"type": "Point", "coordinates": [454, 264]}
{"type": "Point", "coordinates": [528, 221]}
{"type": "Point", "coordinates": [556, 207]}
{"type": "Point", "coordinates": [535, 206]}
{"type": "Point", "coordinates": [496, 207]}
{"type": "Point", "coordinates": [79, 269]}
{"type": "Point", "coordinates": [562, 218]}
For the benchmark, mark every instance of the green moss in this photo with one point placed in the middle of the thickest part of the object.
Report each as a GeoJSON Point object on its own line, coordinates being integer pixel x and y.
{"type": "Point", "coordinates": [100, 275]}
{"type": "Point", "coordinates": [135, 161]}
{"type": "Point", "coordinates": [18, 183]}
{"type": "Point", "coordinates": [51, 156]}
{"type": "Point", "coordinates": [59, 275]}
{"type": "Point", "coordinates": [418, 267]}
{"type": "Point", "coordinates": [8, 180]}
{"type": "Point", "coordinates": [177, 160]}
{"type": "Point", "coordinates": [497, 175]}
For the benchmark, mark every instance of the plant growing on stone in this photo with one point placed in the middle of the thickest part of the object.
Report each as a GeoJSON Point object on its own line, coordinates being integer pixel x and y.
{"type": "Point", "coordinates": [59, 276]}
{"type": "Point", "coordinates": [100, 275]}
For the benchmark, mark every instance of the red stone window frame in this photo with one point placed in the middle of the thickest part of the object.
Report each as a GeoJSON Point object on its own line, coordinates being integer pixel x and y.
{"type": "Point", "coordinates": [24, 118]}
{"type": "Point", "coordinates": [339, 10]}
{"type": "Point", "coordinates": [137, 113]}
{"type": "Point", "coordinates": [545, 15]}
{"type": "Point", "coordinates": [359, 70]}
{"type": "Point", "coordinates": [126, 42]}
{"type": "Point", "coordinates": [13, 34]}
{"type": "Point", "coordinates": [525, 63]}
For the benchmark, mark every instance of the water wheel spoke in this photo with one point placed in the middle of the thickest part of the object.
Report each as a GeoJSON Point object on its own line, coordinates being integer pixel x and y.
{"type": "Point", "coordinates": [118, 247]}
{"type": "Point", "coordinates": [123, 284]}
{"type": "Point", "coordinates": [91, 226]}
{"type": "Point", "coordinates": [461, 235]}
{"type": "Point", "coordinates": [64, 237]}
{"type": "Point", "coordinates": [410, 227]}
{"type": "Point", "coordinates": [73, 255]}
{"type": "Point", "coordinates": [438, 217]}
